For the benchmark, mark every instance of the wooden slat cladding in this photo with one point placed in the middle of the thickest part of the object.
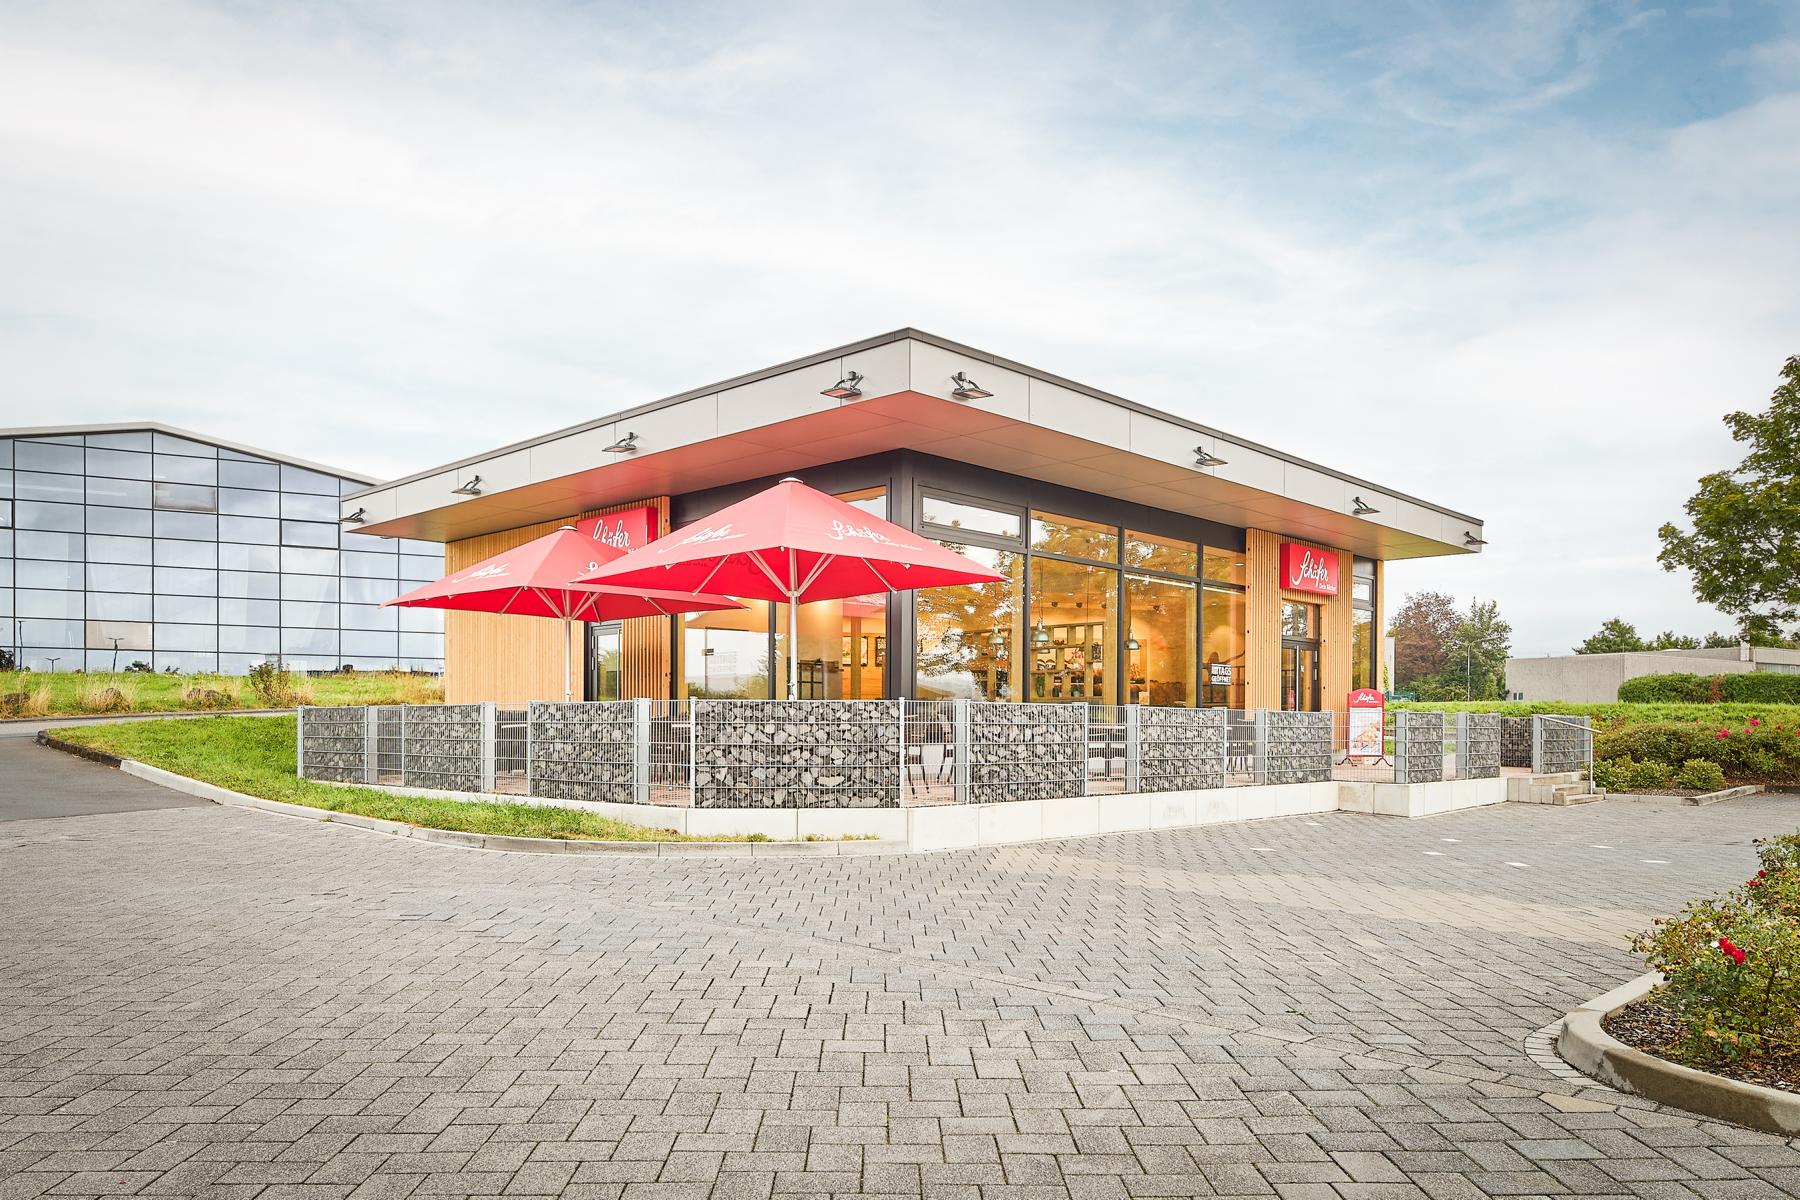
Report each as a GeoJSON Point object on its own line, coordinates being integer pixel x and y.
{"type": "Point", "coordinates": [1263, 645]}
{"type": "Point", "coordinates": [510, 660]}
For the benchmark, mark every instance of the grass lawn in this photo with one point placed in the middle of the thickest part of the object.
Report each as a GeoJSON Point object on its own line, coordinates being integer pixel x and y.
{"type": "Point", "coordinates": [255, 755]}
{"type": "Point", "coordinates": [66, 693]}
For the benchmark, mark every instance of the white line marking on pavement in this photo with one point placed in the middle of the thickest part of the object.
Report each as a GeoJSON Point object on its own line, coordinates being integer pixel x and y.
{"type": "Point", "coordinates": [1434, 854]}
{"type": "Point", "coordinates": [1449, 839]}
{"type": "Point", "coordinates": [1599, 847]}
{"type": "Point", "coordinates": [1516, 864]}
{"type": "Point", "coordinates": [1656, 862]}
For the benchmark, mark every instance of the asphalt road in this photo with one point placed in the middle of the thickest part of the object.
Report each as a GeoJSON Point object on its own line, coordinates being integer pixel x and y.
{"type": "Point", "coordinates": [36, 782]}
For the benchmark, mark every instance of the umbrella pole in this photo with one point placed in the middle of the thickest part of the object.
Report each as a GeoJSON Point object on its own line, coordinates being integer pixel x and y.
{"type": "Point", "coordinates": [568, 690]}
{"type": "Point", "coordinates": [793, 645]}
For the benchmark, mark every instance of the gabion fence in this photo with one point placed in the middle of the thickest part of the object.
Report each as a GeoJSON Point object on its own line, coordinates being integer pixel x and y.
{"type": "Point", "coordinates": [1561, 744]}
{"type": "Point", "coordinates": [1419, 746]}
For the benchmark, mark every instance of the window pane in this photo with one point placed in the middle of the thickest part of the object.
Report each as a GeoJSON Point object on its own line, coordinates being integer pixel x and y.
{"type": "Point", "coordinates": [1224, 566]}
{"type": "Point", "coordinates": [1159, 649]}
{"type": "Point", "coordinates": [724, 655]}
{"type": "Point", "coordinates": [192, 609]}
{"type": "Point", "coordinates": [368, 616]}
{"type": "Point", "coordinates": [368, 591]}
{"type": "Point", "coordinates": [117, 606]}
{"type": "Point", "coordinates": [194, 527]}
{"type": "Point", "coordinates": [185, 554]}
{"type": "Point", "coordinates": [297, 506]}
{"type": "Point", "coordinates": [6, 453]}
{"type": "Point", "coordinates": [420, 620]}
{"type": "Point", "coordinates": [249, 558]}
{"type": "Point", "coordinates": [372, 566]}
{"type": "Point", "coordinates": [31, 544]}
{"type": "Point", "coordinates": [189, 664]}
{"type": "Point", "coordinates": [183, 497]}
{"type": "Point", "coordinates": [133, 440]}
{"type": "Point", "coordinates": [50, 632]}
{"type": "Point", "coordinates": [1361, 622]}
{"type": "Point", "coordinates": [30, 602]}
{"type": "Point", "coordinates": [871, 500]}
{"type": "Point", "coordinates": [422, 645]}
{"type": "Point", "coordinates": [309, 562]}
{"type": "Point", "coordinates": [121, 522]}
{"type": "Point", "coordinates": [36, 514]}
{"type": "Point", "coordinates": [121, 493]}
{"type": "Point", "coordinates": [1222, 648]}
{"type": "Point", "coordinates": [1156, 553]}
{"type": "Point", "coordinates": [249, 640]}
{"type": "Point", "coordinates": [1299, 620]}
{"type": "Point", "coordinates": [967, 635]}
{"type": "Point", "coordinates": [414, 546]}
{"type": "Point", "coordinates": [48, 456]}
{"type": "Point", "coordinates": [260, 530]}
{"type": "Point", "coordinates": [235, 610]}
{"type": "Point", "coordinates": [113, 578]}
{"type": "Point", "coordinates": [254, 585]}
{"type": "Point", "coordinates": [118, 464]}
{"type": "Point", "coordinates": [1077, 539]}
{"type": "Point", "coordinates": [306, 614]}
{"type": "Point", "coordinates": [1362, 591]}
{"type": "Point", "coordinates": [418, 567]}
{"type": "Point", "coordinates": [183, 581]}
{"type": "Point", "coordinates": [131, 635]}
{"type": "Point", "coordinates": [953, 514]}
{"type": "Point", "coordinates": [168, 443]}
{"type": "Point", "coordinates": [168, 468]}
{"type": "Point", "coordinates": [361, 644]}
{"type": "Point", "coordinates": [266, 476]}
{"type": "Point", "coordinates": [40, 485]}
{"type": "Point", "coordinates": [187, 637]}
{"type": "Point", "coordinates": [308, 587]}
{"type": "Point", "coordinates": [843, 648]}
{"type": "Point", "coordinates": [6, 519]}
{"type": "Point", "coordinates": [119, 550]}
{"type": "Point", "coordinates": [298, 479]}
{"type": "Point", "coordinates": [6, 485]}
{"type": "Point", "coordinates": [308, 533]}
{"type": "Point", "coordinates": [1072, 612]}
{"type": "Point", "coordinates": [310, 641]}
{"type": "Point", "coordinates": [34, 573]}
{"type": "Point", "coordinates": [249, 504]}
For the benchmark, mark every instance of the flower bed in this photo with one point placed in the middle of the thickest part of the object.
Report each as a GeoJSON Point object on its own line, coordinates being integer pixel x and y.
{"type": "Point", "coordinates": [1730, 998]}
{"type": "Point", "coordinates": [1750, 750]}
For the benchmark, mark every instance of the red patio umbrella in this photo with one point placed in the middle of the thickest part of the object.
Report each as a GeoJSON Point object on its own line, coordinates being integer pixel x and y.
{"type": "Point", "coordinates": [533, 581]}
{"type": "Point", "coordinates": [793, 545]}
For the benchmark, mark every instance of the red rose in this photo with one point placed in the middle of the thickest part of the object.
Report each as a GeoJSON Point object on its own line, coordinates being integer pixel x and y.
{"type": "Point", "coordinates": [1723, 733]}
{"type": "Point", "coordinates": [1754, 722]}
{"type": "Point", "coordinates": [1732, 952]}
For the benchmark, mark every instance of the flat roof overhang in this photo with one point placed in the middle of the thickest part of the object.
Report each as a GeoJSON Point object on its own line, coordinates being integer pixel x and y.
{"type": "Point", "coordinates": [1034, 425]}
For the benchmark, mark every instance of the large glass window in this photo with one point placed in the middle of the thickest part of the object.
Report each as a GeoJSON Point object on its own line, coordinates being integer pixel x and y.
{"type": "Point", "coordinates": [843, 648]}
{"type": "Point", "coordinates": [725, 655]}
{"type": "Point", "coordinates": [120, 493]}
{"type": "Point", "coordinates": [1225, 566]}
{"type": "Point", "coordinates": [1222, 635]}
{"type": "Point", "coordinates": [969, 637]}
{"type": "Point", "coordinates": [975, 518]}
{"type": "Point", "coordinates": [1152, 552]}
{"type": "Point", "coordinates": [1072, 538]}
{"type": "Point", "coordinates": [1299, 620]}
{"type": "Point", "coordinates": [1160, 662]}
{"type": "Point", "coordinates": [1074, 609]}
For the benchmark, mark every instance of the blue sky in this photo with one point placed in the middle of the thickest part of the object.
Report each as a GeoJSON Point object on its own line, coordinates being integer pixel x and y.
{"type": "Point", "coordinates": [1518, 259]}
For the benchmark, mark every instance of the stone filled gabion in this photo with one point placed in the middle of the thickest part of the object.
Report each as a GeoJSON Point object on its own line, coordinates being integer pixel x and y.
{"type": "Point", "coordinates": [441, 746]}
{"type": "Point", "coordinates": [1560, 747]}
{"type": "Point", "coordinates": [1298, 747]}
{"type": "Point", "coordinates": [796, 753]}
{"type": "Point", "coordinates": [1479, 748]}
{"type": "Point", "coordinates": [333, 743]}
{"type": "Point", "coordinates": [1418, 747]}
{"type": "Point", "coordinates": [1515, 741]}
{"type": "Point", "coordinates": [583, 751]}
{"type": "Point", "coordinates": [1181, 748]}
{"type": "Point", "coordinates": [1026, 752]}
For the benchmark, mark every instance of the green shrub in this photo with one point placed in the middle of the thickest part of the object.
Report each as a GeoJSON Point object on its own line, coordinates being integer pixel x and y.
{"type": "Point", "coordinates": [1701, 774]}
{"type": "Point", "coordinates": [1761, 687]}
{"type": "Point", "coordinates": [273, 686]}
{"type": "Point", "coordinates": [1667, 689]}
{"type": "Point", "coordinates": [1754, 687]}
{"type": "Point", "coordinates": [1752, 752]}
{"type": "Point", "coordinates": [1625, 774]}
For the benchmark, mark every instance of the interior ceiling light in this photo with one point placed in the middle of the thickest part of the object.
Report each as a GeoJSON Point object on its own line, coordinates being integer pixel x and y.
{"type": "Point", "coordinates": [1206, 458]}
{"type": "Point", "coordinates": [1469, 539]}
{"type": "Point", "coordinates": [966, 388]}
{"type": "Point", "coordinates": [625, 445]}
{"type": "Point", "coordinates": [1133, 644]}
{"type": "Point", "coordinates": [1040, 636]}
{"type": "Point", "coordinates": [357, 517]}
{"type": "Point", "coordinates": [846, 388]}
{"type": "Point", "coordinates": [471, 488]}
{"type": "Point", "coordinates": [1361, 509]}
{"type": "Point", "coordinates": [997, 638]}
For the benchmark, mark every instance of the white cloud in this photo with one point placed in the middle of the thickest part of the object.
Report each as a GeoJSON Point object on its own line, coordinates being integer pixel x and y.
{"type": "Point", "coordinates": [388, 241]}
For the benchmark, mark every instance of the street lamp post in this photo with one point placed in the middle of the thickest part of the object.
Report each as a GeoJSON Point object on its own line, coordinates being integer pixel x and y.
{"type": "Point", "coordinates": [115, 660]}
{"type": "Point", "coordinates": [53, 661]}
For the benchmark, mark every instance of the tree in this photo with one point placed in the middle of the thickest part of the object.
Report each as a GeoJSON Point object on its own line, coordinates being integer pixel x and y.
{"type": "Point", "coordinates": [1762, 629]}
{"type": "Point", "coordinates": [1718, 641]}
{"type": "Point", "coordinates": [1616, 636]}
{"type": "Point", "coordinates": [1668, 639]}
{"type": "Point", "coordinates": [1475, 660]}
{"type": "Point", "coordinates": [1421, 630]}
{"type": "Point", "coordinates": [1744, 550]}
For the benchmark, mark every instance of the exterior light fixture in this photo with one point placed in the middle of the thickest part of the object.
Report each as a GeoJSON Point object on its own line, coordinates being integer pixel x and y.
{"type": "Point", "coordinates": [1362, 509]}
{"type": "Point", "coordinates": [846, 388]}
{"type": "Point", "coordinates": [625, 445]}
{"type": "Point", "coordinates": [356, 518]}
{"type": "Point", "coordinates": [1040, 636]}
{"type": "Point", "coordinates": [1469, 539]}
{"type": "Point", "coordinates": [471, 488]}
{"type": "Point", "coordinates": [966, 388]}
{"type": "Point", "coordinates": [1206, 458]}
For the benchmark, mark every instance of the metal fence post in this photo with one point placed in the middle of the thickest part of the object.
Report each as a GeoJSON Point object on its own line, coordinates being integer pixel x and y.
{"type": "Point", "coordinates": [529, 706]}
{"type": "Point", "coordinates": [1465, 724]}
{"type": "Point", "coordinates": [640, 751]}
{"type": "Point", "coordinates": [1259, 748]}
{"type": "Point", "coordinates": [1537, 744]}
{"type": "Point", "coordinates": [371, 744]}
{"type": "Point", "coordinates": [1134, 748]}
{"type": "Point", "coordinates": [961, 745]}
{"type": "Point", "coordinates": [300, 741]}
{"type": "Point", "coordinates": [487, 745]}
{"type": "Point", "coordinates": [693, 748]}
{"type": "Point", "coordinates": [1087, 748]}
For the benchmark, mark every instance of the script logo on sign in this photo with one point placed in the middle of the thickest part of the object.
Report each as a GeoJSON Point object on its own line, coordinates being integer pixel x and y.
{"type": "Point", "coordinates": [627, 530]}
{"type": "Point", "coordinates": [1309, 569]}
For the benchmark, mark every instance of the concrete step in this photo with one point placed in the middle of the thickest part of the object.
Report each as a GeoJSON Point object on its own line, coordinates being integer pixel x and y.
{"type": "Point", "coordinates": [1578, 797]}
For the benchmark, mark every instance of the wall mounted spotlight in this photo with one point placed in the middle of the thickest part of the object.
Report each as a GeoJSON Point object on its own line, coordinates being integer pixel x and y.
{"type": "Point", "coordinates": [625, 445]}
{"type": "Point", "coordinates": [846, 388]}
{"type": "Point", "coordinates": [1206, 458]}
{"type": "Point", "coordinates": [1361, 509]}
{"type": "Point", "coordinates": [1470, 539]}
{"type": "Point", "coordinates": [966, 388]}
{"type": "Point", "coordinates": [471, 488]}
{"type": "Point", "coordinates": [356, 518]}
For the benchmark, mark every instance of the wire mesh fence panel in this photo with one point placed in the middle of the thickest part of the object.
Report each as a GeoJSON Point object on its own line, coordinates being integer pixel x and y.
{"type": "Point", "coordinates": [796, 753]}
{"type": "Point", "coordinates": [333, 744]}
{"type": "Point", "coordinates": [1026, 752]}
{"type": "Point", "coordinates": [1478, 746]}
{"type": "Point", "coordinates": [669, 767]}
{"type": "Point", "coordinates": [445, 746]}
{"type": "Point", "coordinates": [1108, 748]}
{"type": "Point", "coordinates": [1180, 749]}
{"type": "Point", "coordinates": [389, 744]}
{"type": "Point", "coordinates": [512, 740]}
{"type": "Point", "coordinates": [1560, 744]}
{"type": "Point", "coordinates": [1418, 747]}
{"type": "Point", "coordinates": [1294, 747]}
{"type": "Point", "coordinates": [931, 750]}
{"type": "Point", "coordinates": [1240, 746]}
{"type": "Point", "coordinates": [584, 751]}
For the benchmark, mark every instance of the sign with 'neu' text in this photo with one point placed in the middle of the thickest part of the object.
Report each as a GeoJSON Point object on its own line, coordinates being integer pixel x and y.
{"type": "Point", "coordinates": [630, 530]}
{"type": "Point", "coordinates": [1309, 569]}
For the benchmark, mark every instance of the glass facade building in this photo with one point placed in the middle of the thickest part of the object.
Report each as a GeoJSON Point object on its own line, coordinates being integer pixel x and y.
{"type": "Point", "coordinates": [123, 545]}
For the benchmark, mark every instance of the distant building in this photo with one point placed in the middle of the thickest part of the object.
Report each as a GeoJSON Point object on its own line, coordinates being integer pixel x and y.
{"type": "Point", "coordinates": [123, 543]}
{"type": "Point", "coordinates": [1595, 678]}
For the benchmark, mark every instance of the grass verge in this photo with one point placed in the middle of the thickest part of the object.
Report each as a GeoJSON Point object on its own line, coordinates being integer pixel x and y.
{"type": "Point", "coordinates": [70, 693]}
{"type": "Point", "coordinates": [255, 755]}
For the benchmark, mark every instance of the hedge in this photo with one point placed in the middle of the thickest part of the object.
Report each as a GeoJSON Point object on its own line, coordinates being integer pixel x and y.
{"type": "Point", "coordinates": [1754, 751]}
{"type": "Point", "coordinates": [1755, 687]}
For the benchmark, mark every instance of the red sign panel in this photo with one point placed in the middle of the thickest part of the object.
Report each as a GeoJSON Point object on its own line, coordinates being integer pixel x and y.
{"type": "Point", "coordinates": [1309, 569]}
{"type": "Point", "coordinates": [625, 531]}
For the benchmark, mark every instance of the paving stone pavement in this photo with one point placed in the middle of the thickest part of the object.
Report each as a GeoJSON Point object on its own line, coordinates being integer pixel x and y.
{"type": "Point", "coordinates": [218, 1002]}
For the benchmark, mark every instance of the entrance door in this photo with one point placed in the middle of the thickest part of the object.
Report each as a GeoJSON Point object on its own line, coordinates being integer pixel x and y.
{"type": "Point", "coordinates": [1300, 676]}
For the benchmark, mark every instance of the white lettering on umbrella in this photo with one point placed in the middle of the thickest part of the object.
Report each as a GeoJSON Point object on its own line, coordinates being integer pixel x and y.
{"type": "Point", "coordinates": [709, 534]}
{"type": "Point", "coordinates": [489, 572]}
{"type": "Point", "coordinates": [841, 532]}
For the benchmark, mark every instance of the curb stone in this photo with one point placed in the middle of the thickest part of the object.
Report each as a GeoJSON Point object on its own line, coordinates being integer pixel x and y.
{"type": "Point", "coordinates": [1585, 1045]}
{"type": "Point", "coordinates": [458, 837]}
{"type": "Point", "coordinates": [1730, 793]}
